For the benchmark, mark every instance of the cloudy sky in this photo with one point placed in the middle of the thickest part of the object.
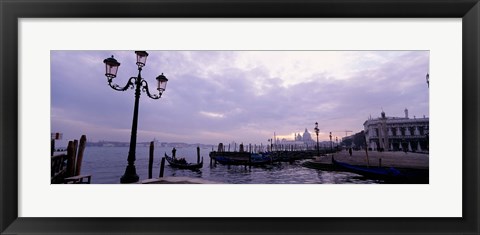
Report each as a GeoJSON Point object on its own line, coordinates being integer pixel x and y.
{"type": "Point", "coordinates": [241, 96]}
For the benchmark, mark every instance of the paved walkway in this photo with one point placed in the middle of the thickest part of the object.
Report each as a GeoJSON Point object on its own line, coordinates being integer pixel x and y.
{"type": "Point", "coordinates": [389, 159]}
{"type": "Point", "coordinates": [177, 180]}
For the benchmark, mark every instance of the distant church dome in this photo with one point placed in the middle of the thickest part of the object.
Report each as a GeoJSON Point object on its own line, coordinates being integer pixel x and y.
{"type": "Point", "coordinates": [306, 136]}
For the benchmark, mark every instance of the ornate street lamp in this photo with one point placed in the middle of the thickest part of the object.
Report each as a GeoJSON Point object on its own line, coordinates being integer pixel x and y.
{"type": "Point", "coordinates": [316, 132]}
{"type": "Point", "coordinates": [271, 144]}
{"type": "Point", "coordinates": [111, 68]}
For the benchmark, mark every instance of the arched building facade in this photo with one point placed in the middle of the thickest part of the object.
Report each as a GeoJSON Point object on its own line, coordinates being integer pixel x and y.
{"type": "Point", "coordinates": [397, 133]}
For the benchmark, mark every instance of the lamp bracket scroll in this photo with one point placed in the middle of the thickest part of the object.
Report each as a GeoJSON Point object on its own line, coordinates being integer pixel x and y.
{"type": "Point", "coordinates": [119, 88]}
{"type": "Point", "coordinates": [146, 90]}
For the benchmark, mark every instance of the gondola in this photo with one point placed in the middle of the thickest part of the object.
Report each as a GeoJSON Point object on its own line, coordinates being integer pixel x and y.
{"type": "Point", "coordinates": [389, 174]}
{"type": "Point", "coordinates": [253, 162]}
{"type": "Point", "coordinates": [182, 164]}
{"type": "Point", "coordinates": [241, 158]}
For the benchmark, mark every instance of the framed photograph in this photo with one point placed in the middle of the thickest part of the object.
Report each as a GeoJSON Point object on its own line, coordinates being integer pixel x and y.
{"type": "Point", "coordinates": [278, 117]}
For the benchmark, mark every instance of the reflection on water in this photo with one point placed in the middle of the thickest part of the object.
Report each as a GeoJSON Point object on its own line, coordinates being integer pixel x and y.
{"type": "Point", "coordinates": [107, 165]}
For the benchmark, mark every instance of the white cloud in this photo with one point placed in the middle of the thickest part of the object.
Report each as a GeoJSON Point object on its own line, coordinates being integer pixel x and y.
{"type": "Point", "coordinates": [212, 114]}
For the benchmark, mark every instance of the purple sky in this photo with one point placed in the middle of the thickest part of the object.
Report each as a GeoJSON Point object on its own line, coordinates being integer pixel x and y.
{"type": "Point", "coordinates": [241, 96]}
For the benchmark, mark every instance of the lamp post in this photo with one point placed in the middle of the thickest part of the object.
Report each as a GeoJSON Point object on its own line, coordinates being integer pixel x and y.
{"type": "Point", "coordinates": [111, 68]}
{"type": "Point", "coordinates": [331, 143]}
{"type": "Point", "coordinates": [316, 132]}
{"type": "Point", "coordinates": [428, 80]}
{"type": "Point", "coordinates": [271, 144]}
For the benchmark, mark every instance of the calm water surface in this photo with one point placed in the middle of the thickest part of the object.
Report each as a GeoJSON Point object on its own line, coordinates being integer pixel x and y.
{"type": "Point", "coordinates": [107, 165]}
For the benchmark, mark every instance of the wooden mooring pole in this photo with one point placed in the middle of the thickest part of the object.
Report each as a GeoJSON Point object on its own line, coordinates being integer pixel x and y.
{"type": "Point", "coordinates": [52, 147]}
{"type": "Point", "coordinates": [162, 167]}
{"type": "Point", "coordinates": [81, 149]}
{"type": "Point", "coordinates": [75, 147]}
{"type": "Point", "coordinates": [198, 154]}
{"type": "Point", "coordinates": [70, 159]}
{"type": "Point", "coordinates": [150, 160]}
{"type": "Point", "coordinates": [366, 150]}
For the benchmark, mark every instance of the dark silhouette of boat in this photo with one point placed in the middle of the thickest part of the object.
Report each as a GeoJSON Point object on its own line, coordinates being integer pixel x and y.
{"type": "Point", "coordinates": [182, 163]}
{"type": "Point", "coordinates": [387, 174]}
{"type": "Point", "coordinates": [241, 158]}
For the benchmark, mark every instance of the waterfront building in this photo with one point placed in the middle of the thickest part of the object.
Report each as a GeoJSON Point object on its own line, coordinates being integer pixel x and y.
{"type": "Point", "coordinates": [349, 140]}
{"type": "Point", "coordinates": [298, 137]}
{"type": "Point", "coordinates": [306, 138]}
{"type": "Point", "coordinates": [299, 141]}
{"type": "Point", "coordinates": [397, 133]}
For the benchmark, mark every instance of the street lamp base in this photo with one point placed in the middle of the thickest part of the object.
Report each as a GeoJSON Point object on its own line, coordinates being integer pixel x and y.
{"type": "Point", "coordinates": [130, 175]}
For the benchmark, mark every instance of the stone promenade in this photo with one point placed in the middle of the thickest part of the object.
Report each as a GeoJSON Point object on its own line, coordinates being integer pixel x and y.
{"type": "Point", "coordinates": [388, 159]}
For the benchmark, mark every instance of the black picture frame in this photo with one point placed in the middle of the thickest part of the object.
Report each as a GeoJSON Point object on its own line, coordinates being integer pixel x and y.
{"type": "Point", "coordinates": [11, 11]}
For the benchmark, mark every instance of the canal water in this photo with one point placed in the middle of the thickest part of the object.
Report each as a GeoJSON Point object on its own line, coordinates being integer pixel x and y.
{"type": "Point", "coordinates": [107, 165]}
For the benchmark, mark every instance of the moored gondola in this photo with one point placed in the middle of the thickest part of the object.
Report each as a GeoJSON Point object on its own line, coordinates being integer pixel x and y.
{"type": "Point", "coordinates": [389, 174]}
{"type": "Point", "coordinates": [182, 164]}
{"type": "Point", "coordinates": [241, 158]}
